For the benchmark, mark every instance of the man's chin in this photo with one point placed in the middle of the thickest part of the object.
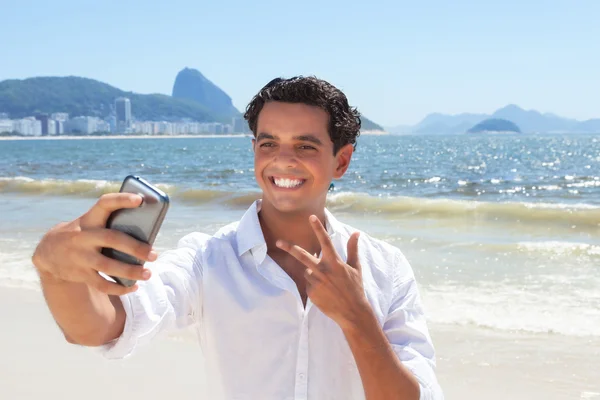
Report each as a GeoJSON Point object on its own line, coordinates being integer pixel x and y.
{"type": "Point", "coordinates": [285, 205]}
{"type": "Point", "coordinates": [296, 205]}
{"type": "Point", "coordinates": [288, 207]}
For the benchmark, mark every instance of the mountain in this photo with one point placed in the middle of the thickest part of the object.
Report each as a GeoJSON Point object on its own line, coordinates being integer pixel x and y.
{"type": "Point", "coordinates": [194, 97]}
{"type": "Point", "coordinates": [398, 129]}
{"type": "Point", "coordinates": [83, 96]}
{"type": "Point", "coordinates": [368, 125]}
{"type": "Point", "coordinates": [591, 125]}
{"type": "Point", "coordinates": [190, 84]}
{"type": "Point", "coordinates": [495, 125]}
{"type": "Point", "coordinates": [533, 121]}
{"type": "Point", "coordinates": [529, 121]}
{"type": "Point", "coordinates": [437, 123]}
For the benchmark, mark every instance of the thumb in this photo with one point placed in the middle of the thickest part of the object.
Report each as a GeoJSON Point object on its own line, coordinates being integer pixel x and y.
{"type": "Point", "coordinates": [97, 216]}
{"type": "Point", "coordinates": [352, 259]}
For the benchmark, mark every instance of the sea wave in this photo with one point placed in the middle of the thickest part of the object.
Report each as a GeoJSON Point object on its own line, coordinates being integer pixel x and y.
{"type": "Point", "coordinates": [580, 215]}
{"type": "Point", "coordinates": [546, 248]}
{"type": "Point", "coordinates": [569, 214]}
{"type": "Point", "coordinates": [561, 248]}
{"type": "Point", "coordinates": [80, 187]}
{"type": "Point", "coordinates": [511, 308]}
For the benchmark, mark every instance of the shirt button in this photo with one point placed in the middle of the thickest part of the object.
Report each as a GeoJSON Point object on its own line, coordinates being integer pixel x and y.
{"type": "Point", "coordinates": [301, 376]}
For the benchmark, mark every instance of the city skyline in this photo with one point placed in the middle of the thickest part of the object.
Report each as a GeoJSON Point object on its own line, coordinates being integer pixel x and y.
{"type": "Point", "coordinates": [121, 122]}
{"type": "Point", "coordinates": [396, 61]}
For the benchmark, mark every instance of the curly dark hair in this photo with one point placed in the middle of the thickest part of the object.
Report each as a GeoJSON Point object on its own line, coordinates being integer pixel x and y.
{"type": "Point", "coordinates": [344, 121]}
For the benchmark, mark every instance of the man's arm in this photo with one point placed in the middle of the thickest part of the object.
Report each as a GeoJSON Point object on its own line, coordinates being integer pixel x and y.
{"type": "Point", "coordinates": [383, 375]}
{"type": "Point", "coordinates": [406, 335]}
{"type": "Point", "coordinates": [68, 261]}
{"type": "Point", "coordinates": [85, 315]}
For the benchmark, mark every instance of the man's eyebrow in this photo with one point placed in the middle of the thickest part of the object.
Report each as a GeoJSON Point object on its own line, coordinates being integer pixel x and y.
{"type": "Point", "coordinates": [308, 138]}
{"type": "Point", "coordinates": [263, 135]}
{"type": "Point", "coordinates": [301, 138]}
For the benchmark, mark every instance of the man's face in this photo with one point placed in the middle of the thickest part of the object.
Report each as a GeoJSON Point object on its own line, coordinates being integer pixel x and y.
{"type": "Point", "coordinates": [293, 156]}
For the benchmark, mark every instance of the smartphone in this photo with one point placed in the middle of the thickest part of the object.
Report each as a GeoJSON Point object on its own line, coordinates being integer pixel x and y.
{"type": "Point", "coordinates": [142, 222]}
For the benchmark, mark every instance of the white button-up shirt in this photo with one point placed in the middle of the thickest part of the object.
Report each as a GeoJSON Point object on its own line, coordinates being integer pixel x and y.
{"type": "Point", "coordinates": [258, 339]}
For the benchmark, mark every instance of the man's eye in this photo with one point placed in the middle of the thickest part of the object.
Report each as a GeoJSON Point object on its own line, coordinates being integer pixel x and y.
{"type": "Point", "coordinates": [267, 144]}
{"type": "Point", "coordinates": [307, 147]}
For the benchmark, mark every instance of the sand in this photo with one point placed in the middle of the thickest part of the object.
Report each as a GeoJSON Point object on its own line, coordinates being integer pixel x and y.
{"type": "Point", "coordinates": [472, 363]}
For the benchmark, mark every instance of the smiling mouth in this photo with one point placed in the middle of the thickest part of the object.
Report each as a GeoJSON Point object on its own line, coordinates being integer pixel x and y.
{"type": "Point", "coordinates": [287, 183]}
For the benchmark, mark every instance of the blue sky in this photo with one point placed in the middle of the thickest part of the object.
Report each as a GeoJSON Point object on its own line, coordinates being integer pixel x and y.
{"type": "Point", "coordinates": [397, 61]}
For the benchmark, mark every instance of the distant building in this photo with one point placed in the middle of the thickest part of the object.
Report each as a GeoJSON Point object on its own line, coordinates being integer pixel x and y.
{"type": "Point", "coordinates": [240, 125]}
{"type": "Point", "coordinates": [51, 127]}
{"type": "Point", "coordinates": [123, 111]}
{"type": "Point", "coordinates": [59, 127]}
{"type": "Point", "coordinates": [27, 126]}
{"type": "Point", "coordinates": [112, 122]}
{"type": "Point", "coordinates": [102, 126]}
{"type": "Point", "coordinates": [60, 116]}
{"type": "Point", "coordinates": [6, 126]}
{"type": "Point", "coordinates": [86, 125]}
{"type": "Point", "coordinates": [165, 128]}
{"type": "Point", "coordinates": [43, 118]}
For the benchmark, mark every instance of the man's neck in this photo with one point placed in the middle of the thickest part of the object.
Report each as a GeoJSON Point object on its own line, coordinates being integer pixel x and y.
{"type": "Point", "coordinates": [291, 227]}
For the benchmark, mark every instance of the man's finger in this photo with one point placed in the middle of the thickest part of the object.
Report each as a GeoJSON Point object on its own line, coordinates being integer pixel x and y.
{"type": "Point", "coordinates": [327, 248]}
{"type": "Point", "coordinates": [311, 262]}
{"type": "Point", "coordinates": [113, 239]}
{"type": "Point", "coordinates": [119, 269]}
{"type": "Point", "coordinates": [312, 277]}
{"type": "Point", "coordinates": [353, 259]}
{"type": "Point", "coordinates": [97, 216]}
{"type": "Point", "coordinates": [105, 286]}
{"type": "Point", "coordinates": [298, 253]}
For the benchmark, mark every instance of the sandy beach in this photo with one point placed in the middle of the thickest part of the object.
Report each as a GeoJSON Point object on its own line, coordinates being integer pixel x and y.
{"type": "Point", "coordinates": [472, 363]}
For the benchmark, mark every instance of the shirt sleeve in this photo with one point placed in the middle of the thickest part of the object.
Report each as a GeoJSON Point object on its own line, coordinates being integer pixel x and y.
{"type": "Point", "coordinates": [406, 329]}
{"type": "Point", "coordinates": [169, 300]}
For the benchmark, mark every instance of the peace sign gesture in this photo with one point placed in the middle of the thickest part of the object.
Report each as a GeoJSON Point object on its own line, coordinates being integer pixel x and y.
{"type": "Point", "coordinates": [334, 286]}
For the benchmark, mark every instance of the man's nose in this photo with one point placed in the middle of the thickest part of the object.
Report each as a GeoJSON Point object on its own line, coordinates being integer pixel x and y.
{"type": "Point", "coordinates": [286, 155]}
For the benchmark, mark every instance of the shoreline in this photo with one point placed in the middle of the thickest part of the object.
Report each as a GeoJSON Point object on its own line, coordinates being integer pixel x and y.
{"type": "Point", "coordinates": [199, 136]}
{"type": "Point", "coordinates": [93, 137]}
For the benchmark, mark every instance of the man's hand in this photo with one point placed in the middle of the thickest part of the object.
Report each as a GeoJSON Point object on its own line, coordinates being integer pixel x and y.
{"type": "Point", "coordinates": [71, 252]}
{"type": "Point", "coordinates": [334, 286]}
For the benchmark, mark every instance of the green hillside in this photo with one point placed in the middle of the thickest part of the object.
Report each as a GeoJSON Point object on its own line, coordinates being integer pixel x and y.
{"type": "Point", "coordinates": [495, 125]}
{"type": "Point", "coordinates": [83, 96]}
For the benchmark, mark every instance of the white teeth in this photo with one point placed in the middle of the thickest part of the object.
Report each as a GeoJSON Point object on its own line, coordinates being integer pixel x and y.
{"type": "Point", "coordinates": [287, 183]}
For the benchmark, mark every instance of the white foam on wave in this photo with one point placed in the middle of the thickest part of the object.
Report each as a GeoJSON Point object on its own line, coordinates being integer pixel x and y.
{"type": "Point", "coordinates": [17, 179]}
{"type": "Point", "coordinates": [587, 184]}
{"type": "Point", "coordinates": [98, 183]}
{"type": "Point", "coordinates": [561, 206]}
{"type": "Point", "coordinates": [510, 308]}
{"type": "Point", "coordinates": [560, 248]}
{"type": "Point", "coordinates": [17, 271]}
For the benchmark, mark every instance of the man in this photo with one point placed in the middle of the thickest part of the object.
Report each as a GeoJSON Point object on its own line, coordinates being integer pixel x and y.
{"type": "Point", "coordinates": [289, 303]}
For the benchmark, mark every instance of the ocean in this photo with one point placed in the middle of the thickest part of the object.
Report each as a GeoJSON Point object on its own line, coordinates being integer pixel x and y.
{"type": "Point", "coordinates": [503, 231]}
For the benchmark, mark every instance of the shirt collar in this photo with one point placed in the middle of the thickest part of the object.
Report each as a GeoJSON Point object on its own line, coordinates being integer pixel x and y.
{"type": "Point", "coordinates": [249, 234]}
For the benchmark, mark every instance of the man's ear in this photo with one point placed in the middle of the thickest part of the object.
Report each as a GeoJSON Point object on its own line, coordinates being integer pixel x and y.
{"type": "Point", "coordinates": [253, 144]}
{"type": "Point", "coordinates": [342, 159]}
